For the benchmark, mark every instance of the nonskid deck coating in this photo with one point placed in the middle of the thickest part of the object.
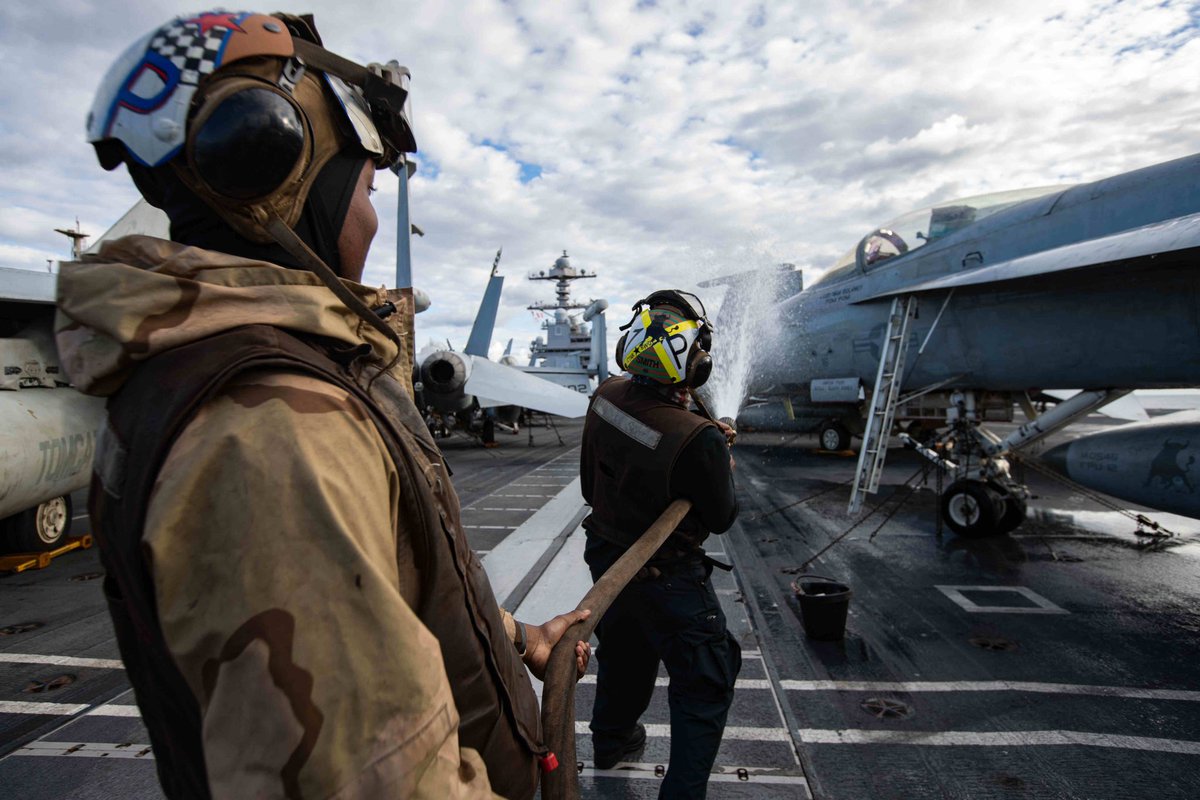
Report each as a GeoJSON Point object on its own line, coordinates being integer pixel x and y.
{"type": "Point", "coordinates": [1093, 703]}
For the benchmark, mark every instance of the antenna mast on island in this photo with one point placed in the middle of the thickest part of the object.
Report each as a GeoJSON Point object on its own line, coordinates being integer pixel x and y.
{"type": "Point", "coordinates": [562, 273]}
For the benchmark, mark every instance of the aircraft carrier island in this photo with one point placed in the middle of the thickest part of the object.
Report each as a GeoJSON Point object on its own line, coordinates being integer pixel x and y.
{"type": "Point", "coordinates": [1058, 661]}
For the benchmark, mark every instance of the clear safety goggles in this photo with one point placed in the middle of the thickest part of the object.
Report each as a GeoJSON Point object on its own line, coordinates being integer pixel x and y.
{"type": "Point", "coordinates": [375, 100]}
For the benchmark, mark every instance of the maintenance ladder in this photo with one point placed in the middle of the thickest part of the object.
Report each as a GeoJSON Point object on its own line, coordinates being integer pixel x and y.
{"type": "Point", "coordinates": [883, 401]}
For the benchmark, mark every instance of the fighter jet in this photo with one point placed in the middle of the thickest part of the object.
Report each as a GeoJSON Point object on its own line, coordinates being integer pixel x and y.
{"type": "Point", "coordinates": [47, 429]}
{"type": "Point", "coordinates": [952, 314]}
{"type": "Point", "coordinates": [456, 383]}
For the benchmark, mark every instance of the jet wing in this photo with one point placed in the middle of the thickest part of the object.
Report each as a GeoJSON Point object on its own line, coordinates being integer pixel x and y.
{"type": "Point", "coordinates": [497, 385]}
{"type": "Point", "coordinates": [1180, 233]}
{"type": "Point", "coordinates": [27, 286]}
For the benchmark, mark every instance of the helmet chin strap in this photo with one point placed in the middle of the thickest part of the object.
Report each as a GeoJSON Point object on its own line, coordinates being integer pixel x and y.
{"type": "Point", "coordinates": [289, 241]}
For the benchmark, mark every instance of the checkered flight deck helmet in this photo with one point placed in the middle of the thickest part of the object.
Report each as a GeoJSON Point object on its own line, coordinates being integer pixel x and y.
{"type": "Point", "coordinates": [668, 340]}
{"type": "Point", "coordinates": [246, 109]}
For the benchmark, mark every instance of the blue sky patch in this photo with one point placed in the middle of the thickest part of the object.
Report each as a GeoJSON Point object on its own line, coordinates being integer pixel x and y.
{"type": "Point", "coordinates": [427, 168]}
{"type": "Point", "coordinates": [529, 171]}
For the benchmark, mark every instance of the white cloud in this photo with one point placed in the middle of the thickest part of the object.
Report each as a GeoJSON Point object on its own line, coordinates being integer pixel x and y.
{"type": "Point", "coordinates": [676, 141]}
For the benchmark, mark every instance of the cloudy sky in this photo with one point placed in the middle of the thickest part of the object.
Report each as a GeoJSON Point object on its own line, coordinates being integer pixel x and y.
{"type": "Point", "coordinates": [658, 142]}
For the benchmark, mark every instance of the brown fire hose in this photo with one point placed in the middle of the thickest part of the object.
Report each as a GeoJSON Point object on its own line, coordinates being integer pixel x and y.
{"type": "Point", "coordinates": [558, 693]}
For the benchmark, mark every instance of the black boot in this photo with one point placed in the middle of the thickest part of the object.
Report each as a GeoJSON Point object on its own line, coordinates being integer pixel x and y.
{"type": "Point", "coordinates": [608, 757]}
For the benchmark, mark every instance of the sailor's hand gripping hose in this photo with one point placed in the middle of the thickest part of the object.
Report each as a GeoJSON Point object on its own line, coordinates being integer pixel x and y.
{"type": "Point", "coordinates": [558, 694]}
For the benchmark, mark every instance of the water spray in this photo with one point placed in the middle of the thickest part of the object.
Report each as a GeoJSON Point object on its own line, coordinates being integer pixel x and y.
{"type": "Point", "coordinates": [743, 332]}
{"type": "Point", "coordinates": [727, 422]}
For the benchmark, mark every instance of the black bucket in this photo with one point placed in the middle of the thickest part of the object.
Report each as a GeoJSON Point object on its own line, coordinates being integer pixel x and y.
{"type": "Point", "coordinates": [823, 606]}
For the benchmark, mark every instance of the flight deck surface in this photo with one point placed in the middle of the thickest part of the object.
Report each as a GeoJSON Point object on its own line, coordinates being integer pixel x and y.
{"type": "Point", "coordinates": [1059, 662]}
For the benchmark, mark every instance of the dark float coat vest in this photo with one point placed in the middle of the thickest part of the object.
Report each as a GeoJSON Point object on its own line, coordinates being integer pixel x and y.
{"type": "Point", "coordinates": [451, 596]}
{"type": "Point", "coordinates": [632, 439]}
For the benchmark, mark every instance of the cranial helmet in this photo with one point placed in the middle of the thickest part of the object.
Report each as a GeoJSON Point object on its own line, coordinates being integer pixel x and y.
{"type": "Point", "coordinates": [668, 339]}
{"type": "Point", "coordinates": [246, 109]}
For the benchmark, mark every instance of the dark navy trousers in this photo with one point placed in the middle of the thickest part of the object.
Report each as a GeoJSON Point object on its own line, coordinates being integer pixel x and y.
{"type": "Point", "coordinates": [676, 619]}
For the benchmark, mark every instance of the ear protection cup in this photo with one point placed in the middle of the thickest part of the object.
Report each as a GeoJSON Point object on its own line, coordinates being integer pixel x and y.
{"type": "Point", "coordinates": [246, 140]}
{"type": "Point", "coordinates": [705, 340]}
{"type": "Point", "coordinates": [254, 148]}
{"type": "Point", "coordinates": [699, 368]}
{"type": "Point", "coordinates": [621, 352]}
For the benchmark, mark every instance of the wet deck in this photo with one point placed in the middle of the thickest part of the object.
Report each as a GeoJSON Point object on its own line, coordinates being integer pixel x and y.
{"type": "Point", "coordinates": [1057, 662]}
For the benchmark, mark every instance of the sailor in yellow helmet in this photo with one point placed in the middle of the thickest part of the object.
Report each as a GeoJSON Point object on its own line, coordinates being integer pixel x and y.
{"type": "Point", "coordinates": [643, 448]}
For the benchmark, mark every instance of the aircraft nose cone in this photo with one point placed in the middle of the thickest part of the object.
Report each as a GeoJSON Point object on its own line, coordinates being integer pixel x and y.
{"type": "Point", "coordinates": [1056, 458]}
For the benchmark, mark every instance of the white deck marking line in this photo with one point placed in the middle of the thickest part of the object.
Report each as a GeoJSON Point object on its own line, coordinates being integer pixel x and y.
{"type": "Point", "coordinates": [1042, 605]}
{"type": "Point", "coordinates": [742, 683]}
{"type": "Point", "coordinates": [86, 750]}
{"type": "Point", "coordinates": [68, 709]}
{"type": "Point", "coordinates": [489, 527]}
{"type": "Point", "coordinates": [538, 485]}
{"type": "Point", "coordinates": [501, 509]}
{"type": "Point", "coordinates": [143, 752]}
{"type": "Point", "coordinates": [732, 733]}
{"type": "Point", "coordinates": [999, 739]}
{"type": "Point", "coordinates": [114, 710]}
{"type": "Point", "coordinates": [807, 735]}
{"type": "Point", "coordinates": [645, 772]}
{"type": "Point", "coordinates": [522, 495]}
{"type": "Point", "coordinates": [1131, 692]}
{"type": "Point", "coordinates": [48, 709]}
{"type": "Point", "coordinates": [61, 661]}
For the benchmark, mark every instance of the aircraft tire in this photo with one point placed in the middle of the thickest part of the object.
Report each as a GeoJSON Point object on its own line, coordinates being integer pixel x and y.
{"type": "Point", "coordinates": [972, 509]}
{"type": "Point", "coordinates": [38, 529]}
{"type": "Point", "coordinates": [1013, 513]}
{"type": "Point", "coordinates": [833, 436]}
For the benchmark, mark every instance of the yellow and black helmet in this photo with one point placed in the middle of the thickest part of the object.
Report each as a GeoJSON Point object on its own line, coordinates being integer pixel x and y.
{"type": "Point", "coordinates": [668, 339]}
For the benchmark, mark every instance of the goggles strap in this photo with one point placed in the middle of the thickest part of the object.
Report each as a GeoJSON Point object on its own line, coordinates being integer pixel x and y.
{"type": "Point", "coordinates": [319, 58]}
{"type": "Point", "coordinates": [380, 94]}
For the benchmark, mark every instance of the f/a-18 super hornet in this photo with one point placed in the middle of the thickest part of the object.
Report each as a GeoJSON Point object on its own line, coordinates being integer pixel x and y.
{"type": "Point", "coordinates": [47, 429]}
{"type": "Point", "coordinates": [455, 383]}
{"type": "Point", "coordinates": [973, 306]}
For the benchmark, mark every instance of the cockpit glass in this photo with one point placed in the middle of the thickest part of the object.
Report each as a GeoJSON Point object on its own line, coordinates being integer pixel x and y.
{"type": "Point", "coordinates": [918, 228]}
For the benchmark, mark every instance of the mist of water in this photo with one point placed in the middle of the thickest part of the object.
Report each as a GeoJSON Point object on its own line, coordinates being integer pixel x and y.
{"type": "Point", "coordinates": [743, 333]}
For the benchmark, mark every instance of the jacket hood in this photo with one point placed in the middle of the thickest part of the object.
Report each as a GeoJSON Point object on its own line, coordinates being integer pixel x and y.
{"type": "Point", "coordinates": [139, 296]}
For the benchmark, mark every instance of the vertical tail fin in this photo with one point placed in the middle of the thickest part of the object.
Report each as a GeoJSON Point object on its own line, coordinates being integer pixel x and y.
{"type": "Point", "coordinates": [485, 321]}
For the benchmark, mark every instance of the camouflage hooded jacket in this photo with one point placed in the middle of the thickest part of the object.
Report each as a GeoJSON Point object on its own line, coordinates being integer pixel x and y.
{"type": "Point", "coordinates": [274, 495]}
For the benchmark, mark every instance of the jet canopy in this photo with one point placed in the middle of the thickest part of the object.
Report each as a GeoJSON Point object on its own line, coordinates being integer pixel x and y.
{"type": "Point", "coordinates": [918, 228]}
